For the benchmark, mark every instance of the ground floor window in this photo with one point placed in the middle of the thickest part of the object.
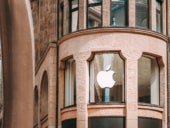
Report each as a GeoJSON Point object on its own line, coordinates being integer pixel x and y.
{"type": "Point", "coordinates": [70, 123]}
{"type": "Point", "coordinates": [106, 122]}
{"type": "Point", "coordinates": [149, 123]}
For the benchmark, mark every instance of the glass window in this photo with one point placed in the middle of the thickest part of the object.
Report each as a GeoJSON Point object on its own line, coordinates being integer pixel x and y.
{"type": "Point", "coordinates": [106, 78]}
{"type": "Point", "coordinates": [70, 84]}
{"type": "Point", "coordinates": [70, 123]}
{"type": "Point", "coordinates": [142, 13]}
{"type": "Point", "coordinates": [94, 18]}
{"type": "Point", "coordinates": [149, 123]}
{"type": "Point", "coordinates": [118, 13]}
{"type": "Point", "coordinates": [62, 17]}
{"type": "Point", "coordinates": [148, 80]}
{"type": "Point", "coordinates": [106, 122]}
{"type": "Point", "coordinates": [73, 15]}
{"type": "Point", "coordinates": [158, 16]}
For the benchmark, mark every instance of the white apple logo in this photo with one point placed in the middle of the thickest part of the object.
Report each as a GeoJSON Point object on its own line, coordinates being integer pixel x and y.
{"type": "Point", "coordinates": [105, 79]}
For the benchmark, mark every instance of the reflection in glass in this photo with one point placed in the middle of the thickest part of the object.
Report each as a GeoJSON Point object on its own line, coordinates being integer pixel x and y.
{"type": "Point", "coordinates": [142, 13]}
{"type": "Point", "coordinates": [149, 123]}
{"type": "Point", "coordinates": [73, 15]}
{"type": "Point", "coordinates": [99, 63]}
{"type": "Point", "coordinates": [148, 80]}
{"type": "Point", "coordinates": [158, 16]}
{"type": "Point", "coordinates": [118, 13]}
{"type": "Point", "coordinates": [70, 84]}
{"type": "Point", "coordinates": [94, 18]}
{"type": "Point", "coordinates": [94, 1]}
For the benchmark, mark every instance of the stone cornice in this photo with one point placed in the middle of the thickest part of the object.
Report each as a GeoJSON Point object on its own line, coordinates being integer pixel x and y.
{"type": "Point", "coordinates": [113, 30]}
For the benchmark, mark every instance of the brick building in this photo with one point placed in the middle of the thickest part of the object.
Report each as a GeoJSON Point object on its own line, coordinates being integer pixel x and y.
{"type": "Point", "coordinates": [85, 63]}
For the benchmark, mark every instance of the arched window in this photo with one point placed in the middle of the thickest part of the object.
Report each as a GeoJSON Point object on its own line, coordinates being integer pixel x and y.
{"type": "Point", "coordinates": [148, 80]}
{"type": "Point", "coordinates": [142, 13]}
{"type": "Point", "coordinates": [118, 14]}
{"type": "Point", "coordinates": [70, 82]}
{"type": "Point", "coordinates": [74, 7]}
{"type": "Point", "coordinates": [44, 98]}
{"type": "Point", "coordinates": [94, 16]}
{"type": "Point", "coordinates": [35, 106]}
{"type": "Point", "coordinates": [106, 78]}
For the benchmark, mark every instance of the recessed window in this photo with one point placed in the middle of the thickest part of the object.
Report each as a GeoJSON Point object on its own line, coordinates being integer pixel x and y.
{"type": "Point", "coordinates": [158, 16]}
{"type": "Point", "coordinates": [94, 16]}
{"type": "Point", "coordinates": [73, 15]}
{"type": "Point", "coordinates": [70, 83]}
{"type": "Point", "coordinates": [70, 123]}
{"type": "Point", "coordinates": [142, 13]}
{"type": "Point", "coordinates": [148, 80]}
{"type": "Point", "coordinates": [106, 122]}
{"type": "Point", "coordinates": [149, 123]}
{"type": "Point", "coordinates": [106, 78]}
{"type": "Point", "coordinates": [118, 13]}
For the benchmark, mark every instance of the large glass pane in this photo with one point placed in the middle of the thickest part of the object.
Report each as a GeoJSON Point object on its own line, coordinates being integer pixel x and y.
{"type": "Point", "coordinates": [73, 15]}
{"type": "Point", "coordinates": [70, 123]}
{"type": "Point", "coordinates": [142, 13]}
{"type": "Point", "coordinates": [94, 1]}
{"type": "Point", "coordinates": [70, 84]}
{"type": "Point", "coordinates": [106, 122]}
{"type": "Point", "coordinates": [148, 80]}
{"type": "Point", "coordinates": [158, 16]}
{"type": "Point", "coordinates": [149, 123]}
{"type": "Point", "coordinates": [118, 13]}
{"type": "Point", "coordinates": [94, 16]}
{"type": "Point", "coordinates": [110, 65]}
{"type": "Point", "coordinates": [74, 4]}
{"type": "Point", "coordinates": [74, 21]}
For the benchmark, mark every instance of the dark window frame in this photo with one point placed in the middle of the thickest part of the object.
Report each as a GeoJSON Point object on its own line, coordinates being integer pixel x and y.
{"type": "Point", "coordinates": [87, 14]}
{"type": "Point", "coordinates": [161, 16]}
{"type": "Point", "coordinates": [148, 18]}
{"type": "Point", "coordinates": [124, 66]}
{"type": "Point", "coordinates": [149, 119]}
{"type": "Point", "coordinates": [126, 13]}
{"type": "Point", "coordinates": [159, 70]}
{"type": "Point", "coordinates": [75, 103]}
{"type": "Point", "coordinates": [71, 11]}
{"type": "Point", "coordinates": [62, 18]}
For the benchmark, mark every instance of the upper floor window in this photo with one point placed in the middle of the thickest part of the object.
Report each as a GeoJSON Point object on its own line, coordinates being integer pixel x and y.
{"type": "Point", "coordinates": [73, 15]}
{"type": "Point", "coordinates": [106, 78]}
{"type": "Point", "coordinates": [158, 16]}
{"type": "Point", "coordinates": [118, 14]}
{"type": "Point", "coordinates": [94, 16]}
{"type": "Point", "coordinates": [148, 80]}
{"type": "Point", "coordinates": [70, 83]}
{"type": "Point", "coordinates": [142, 13]}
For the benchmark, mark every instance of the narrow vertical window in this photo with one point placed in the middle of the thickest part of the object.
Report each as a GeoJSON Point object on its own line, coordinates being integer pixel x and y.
{"type": "Point", "coordinates": [158, 16]}
{"type": "Point", "coordinates": [62, 18]}
{"type": "Point", "coordinates": [148, 80]}
{"type": "Point", "coordinates": [106, 78]}
{"type": "Point", "coordinates": [94, 16]}
{"type": "Point", "coordinates": [118, 13]}
{"type": "Point", "coordinates": [70, 83]}
{"type": "Point", "coordinates": [74, 15]}
{"type": "Point", "coordinates": [142, 13]}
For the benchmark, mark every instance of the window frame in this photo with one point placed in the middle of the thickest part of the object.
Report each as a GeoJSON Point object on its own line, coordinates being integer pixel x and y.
{"type": "Point", "coordinates": [126, 14]}
{"type": "Point", "coordinates": [148, 18]}
{"type": "Point", "coordinates": [71, 11]}
{"type": "Point", "coordinates": [161, 16]}
{"type": "Point", "coordinates": [74, 95]}
{"type": "Point", "coordinates": [159, 83]}
{"type": "Point", "coordinates": [124, 80]}
{"type": "Point", "coordinates": [87, 14]}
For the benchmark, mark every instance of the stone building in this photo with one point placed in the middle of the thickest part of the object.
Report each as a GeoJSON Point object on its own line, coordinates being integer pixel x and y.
{"type": "Point", "coordinates": [85, 63]}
